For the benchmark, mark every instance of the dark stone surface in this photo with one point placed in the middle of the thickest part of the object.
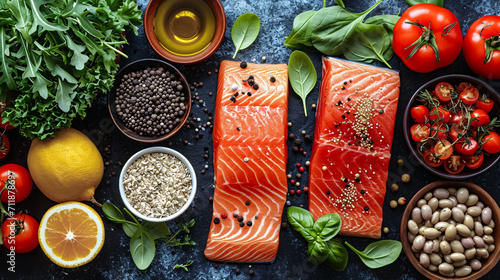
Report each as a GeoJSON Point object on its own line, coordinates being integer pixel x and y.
{"type": "Point", "coordinates": [114, 261]}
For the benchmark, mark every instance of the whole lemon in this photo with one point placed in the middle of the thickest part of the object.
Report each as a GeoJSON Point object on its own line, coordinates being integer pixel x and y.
{"type": "Point", "coordinates": [67, 167]}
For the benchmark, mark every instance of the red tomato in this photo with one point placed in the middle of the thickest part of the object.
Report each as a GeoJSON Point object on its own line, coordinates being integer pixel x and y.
{"type": "Point", "coordinates": [21, 239]}
{"type": "Point", "coordinates": [469, 95]}
{"type": "Point", "coordinates": [491, 143]}
{"type": "Point", "coordinates": [454, 165]}
{"type": "Point", "coordinates": [479, 47]}
{"type": "Point", "coordinates": [443, 91]}
{"type": "Point", "coordinates": [456, 132]}
{"type": "Point", "coordinates": [432, 159]}
{"type": "Point", "coordinates": [467, 149]}
{"type": "Point", "coordinates": [4, 146]}
{"type": "Point", "coordinates": [462, 86]}
{"type": "Point", "coordinates": [479, 118]}
{"type": "Point", "coordinates": [456, 119]}
{"type": "Point", "coordinates": [474, 161]}
{"type": "Point", "coordinates": [440, 131]}
{"type": "Point", "coordinates": [440, 114]}
{"type": "Point", "coordinates": [419, 132]}
{"type": "Point", "coordinates": [484, 103]}
{"type": "Point", "coordinates": [420, 114]}
{"type": "Point", "coordinates": [427, 23]}
{"type": "Point", "coordinates": [443, 149]}
{"type": "Point", "coordinates": [22, 183]}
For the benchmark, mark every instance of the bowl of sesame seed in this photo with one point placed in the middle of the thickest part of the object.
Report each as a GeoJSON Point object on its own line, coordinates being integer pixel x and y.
{"type": "Point", "coordinates": [157, 184]}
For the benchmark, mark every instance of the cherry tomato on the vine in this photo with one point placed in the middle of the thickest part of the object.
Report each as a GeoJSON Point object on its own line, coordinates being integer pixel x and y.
{"type": "Point", "coordinates": [466, 147]}
{"type": "Point", "coordinates": [491, 143]}
{"type": "Point", "coordinates": [420, 114]}
{"type": "Point", "coordinates": [443, 149]}
{"type": "Point", "coordinates": [443, 91]}
{"type": "Point", "coordinates": [432, 159]}
{"type": "Point", "coordinates": [440, 113]}
{"type": "Point", "coordinates": [22, 238]}
{"type": "Point", "coordinates": [479, 118]}
{"type": "Point", "coordinates": [18, 181]}
{"type": "Point", "coordinates": [469, 95]}
{"type": "Point", "coordinates": [484, 103]}
{"type": "Point", "coordinates": [419, 132]}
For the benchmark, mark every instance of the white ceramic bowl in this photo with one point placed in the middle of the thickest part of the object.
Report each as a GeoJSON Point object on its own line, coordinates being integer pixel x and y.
{"type": "Point", "coordinates": [158, 150]}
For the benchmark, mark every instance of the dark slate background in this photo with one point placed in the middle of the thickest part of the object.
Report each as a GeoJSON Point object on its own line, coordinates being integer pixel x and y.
{"type": "Point", "coordinates": [114, 261]}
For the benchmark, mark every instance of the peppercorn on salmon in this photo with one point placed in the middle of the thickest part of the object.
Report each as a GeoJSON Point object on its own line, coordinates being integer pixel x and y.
{"type": "Point", "coordinates": [351, 151]}
{"type": "Point", "coordinates": [250, 155]}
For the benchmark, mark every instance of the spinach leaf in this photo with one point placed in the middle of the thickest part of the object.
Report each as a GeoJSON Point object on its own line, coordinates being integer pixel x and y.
{"type": "Point", "coordinates": [302, 75]}
{"type": "Point", "coordinates": [245, 31]}
{"type": "Point", "coordinates": [183, 266]}
{"type": "Point", "coordinates": [318, 251]}
{"type": "Point", "coordinates": [112, 213]}
{"type": "Point", "coordinates": [299, 218]}
{"type": "Point", "coordinates": [327, 226]}
{"type": "Point", "coordinates": [368, 44]}
{"type": "Point", "coordinates": [340, 3]}
{"type": "Point", "coordinates": [130, 229]}
{"type": "Point", "coordinates": [330, 28]}
{"type": "Point", "coordinates": [337, 255]}
{"type": "Point", "coordinates": [379, 253]}
{"type": "Point", "coordinates": [142, 248]}
{"type": "Point", "coordinates": [298, 38]}
{"type": "Point", "coordinates": [387, 22]}
{"type": "Point", "coordinates": [415, 2]}
{"type": "Point", "coordinates": [157, 230]}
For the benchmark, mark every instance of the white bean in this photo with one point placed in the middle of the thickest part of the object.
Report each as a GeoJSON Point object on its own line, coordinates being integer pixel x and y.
{"type": "Point", "coordinates": [441, 193]}
{"type": "Point", "coordinates": [463, 271]}
{"type": "Point", "coordinates": [424, 260]}
{"type": "Point", "coordinates": [472, 200]}
{"type": "Point", "coordinates": [445, 247]}
{"type": "Point", "coordinates": [433, 203]}
{"type": "Point", "coordinates": [416, 215]}
{"type": "Point", "coordinates": [419, 242]}
{"type": "Point", "coordinates": [475, 264]}
{"type": "Point", "coordinates": [462, 195]}
{"type": "Point", "coordinates": [426, 212]}
{"type": "Point", "coordinates": [486, 215]}
{"type": "Point", "coordinates": [478, 241]}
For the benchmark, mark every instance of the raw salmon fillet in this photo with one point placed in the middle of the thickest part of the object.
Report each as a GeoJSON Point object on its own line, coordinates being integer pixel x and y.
{"type": "Point", "coordinates": [250, 157]}
{"type": "Point", "coordinates": [351, 151]}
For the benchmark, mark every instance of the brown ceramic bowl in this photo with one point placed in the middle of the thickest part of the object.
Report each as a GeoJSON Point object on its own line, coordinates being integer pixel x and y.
{"type": "Point", "coordinates": [142, 65]}
{"type": "Point", "coordinates": [220, 17]}
{"type": "Point", "coordinates": [484, 197]}
{"type": "Point", "coordinates": [455, 80]}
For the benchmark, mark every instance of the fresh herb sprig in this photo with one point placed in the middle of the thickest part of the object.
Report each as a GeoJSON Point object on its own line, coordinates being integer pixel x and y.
{"type": "Point", "coordinates": [324, 249]}
{"type": "Point", "coordinates": [144, 235]}
{"type": "Point", "coordinates": [184, 266]}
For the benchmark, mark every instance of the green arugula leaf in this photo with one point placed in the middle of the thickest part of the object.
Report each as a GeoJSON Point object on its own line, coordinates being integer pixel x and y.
{"type": "Point", "coordinates": [65, 94]}
{"type": "Point", "coordinates": [6, 62]}
{"type": "Point", "coordinates": [245, 30]}
{"type": "Point", "coordinates": [78, 59]}
{"type": "Point", "coordinates": [39, 18]}
{"type": "Point", "coordinates": [23, 17]}
{"type": "Point", "coordinates": [86, 25]}
{"type": "Point", "coordinates": [40, 85]}
{"type": "Point", "coordinates": [32, 63]}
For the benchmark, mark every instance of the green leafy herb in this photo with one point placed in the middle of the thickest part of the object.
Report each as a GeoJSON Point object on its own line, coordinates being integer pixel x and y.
{"type": "Point", "coordinates": [55, 56]}
{"type": "Point", "coordinates": [379, 253]}
{"type": "Point", "coordinates": [324, 249]}
{"type": "Point", "coordinates": [302, 75]}
{"type": "Point", "coordinates": [416, 2]}
{"type": "Point", "coordinates": [339, 2]}
{"type": "Point", "coordinates": [183, 266]}
{"type": "Point", "coordinates": [144, 235]}
{"type": "Point", "coordinates": [298, 38]}
{"type": "Point", "coordinates": [245, 31]}
{"type": "Point", "coordinates": [368, 44]}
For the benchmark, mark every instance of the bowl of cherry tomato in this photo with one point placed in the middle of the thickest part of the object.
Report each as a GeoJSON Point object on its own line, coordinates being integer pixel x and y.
{"type": "Point", "coordinates": [451, 126]}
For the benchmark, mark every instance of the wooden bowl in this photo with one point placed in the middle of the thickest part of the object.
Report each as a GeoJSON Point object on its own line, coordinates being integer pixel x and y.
{"type": "Point", "coordinates": [454, 79]}
{"type": "Point", "coordinates": [483, 197]}
{"type": "Point", "coordinates": [220, 30]}
{"type": "Point", "coordinates": [141, 65]}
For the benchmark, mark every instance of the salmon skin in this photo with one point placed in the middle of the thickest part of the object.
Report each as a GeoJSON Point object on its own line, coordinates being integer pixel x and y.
{"type": "Point", "coordinates": [250, 154]}
{"type": "Point", "coordinates": [351, 151]}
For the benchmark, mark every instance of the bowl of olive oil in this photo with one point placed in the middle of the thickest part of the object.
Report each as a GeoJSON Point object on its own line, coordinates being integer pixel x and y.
{"type": "Point", "coordinates": [185, 31]}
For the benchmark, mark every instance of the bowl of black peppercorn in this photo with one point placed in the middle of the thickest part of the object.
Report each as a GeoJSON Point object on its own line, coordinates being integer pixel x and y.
{"type": "Point", "coordinates": [150, 100]}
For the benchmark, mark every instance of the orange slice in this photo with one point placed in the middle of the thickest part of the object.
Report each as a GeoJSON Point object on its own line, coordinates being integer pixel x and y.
{"type": "Point", "coordinates": [71, 234]}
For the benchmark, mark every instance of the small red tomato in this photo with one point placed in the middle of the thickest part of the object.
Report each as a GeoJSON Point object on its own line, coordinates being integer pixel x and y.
{"type": "Point", "coordinates": [474, 161]}
{"type": "Point", "coordinates": [466, 147]}
{"type": "Point", "coordinates": [484, 103]}
{"type": "Point", "coordinates": [479, 118]}
{"type": "Point", "coordinates": [419, 132]}
{"type": "Point", "coordinates": [491, 143]}
{"type": "Point", "coordinates": [454, 165]}
{"type": "Point", "coordinates": [456, 132]}
{"type": "Point", "coordinates": [469, 95]}
{"type": "Point", "coordinates": [456, 119]}
{"type": "Point", "coordinates": [432, 159]}
{"type": "Point", "coordinates": [443, 149]}
{"type": "Point", "coordinates": [22, 238]}
{"type": "Point", "coordinates": [21, 185]}
{"type": "Point", "coordinates": [462, 86]}
{"type": "Point", "coordinates": [420, 114]}
{"type": "Point", "coordinates": [440, 114]}
{"type": "Point", "coordinates": [443, 91]}
{"type": "Point", "coordinates": [440, 131]}
{"type": "Point", "coordinates": [4, 146]}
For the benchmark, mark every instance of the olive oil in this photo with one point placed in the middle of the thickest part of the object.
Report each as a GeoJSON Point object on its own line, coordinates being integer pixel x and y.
{"type": "Point", "coordinates": [184, 27]}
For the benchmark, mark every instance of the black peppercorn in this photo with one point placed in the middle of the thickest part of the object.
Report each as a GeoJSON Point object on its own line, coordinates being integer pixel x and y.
{"type": "Point", "coordinates": [216, 221]}
{"type": "Point", "coordinates": [273, 79]}
{"type": "Point", "coordinates": [247, 203]}
{"type": "Point", "coordinates": [249, 223]}
{"type": "Point", "coordinates": [243, 64]}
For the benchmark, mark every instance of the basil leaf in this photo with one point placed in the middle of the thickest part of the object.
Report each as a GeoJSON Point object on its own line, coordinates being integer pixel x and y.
{"type": "Point", "coordinates": [299, 218]}
{"type": "Point", "coordinates": [130, 229]}
{"type": "Point", "coordinates": [142, 248]}
{"type": "Point", "coordinates": [112, 213]}
{"type": "Point", "coordinates": [337, 255]}
{"type": "Point", "coordinates": [309, 234]}
{"type": "Point", "coordinates": [302, 75]}
{"type": "Point", "coordinates": [327, 226]}
{"type": "Point", "coordinates": [318, 251]}
{"type": "Point", "coordinates": [245, 31]}
{"type": "Point", "coordinates": [330, 28]}
{"type": "Point", "coordinates": [157, 230]}
{"type": "Point", "coordinates": [368, 44]}
{"type": "Point", "coordinates": [415, 2]}
{"type": "Point", "coordinates": [379, 253]}
{"type": "Point", "coordinates": [298, 38]}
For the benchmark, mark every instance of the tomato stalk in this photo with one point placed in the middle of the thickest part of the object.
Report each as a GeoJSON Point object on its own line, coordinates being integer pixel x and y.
{"type": "Point", "coordinates": [491, 44]}
{"type": "Point", "coordinates": [426, 39]}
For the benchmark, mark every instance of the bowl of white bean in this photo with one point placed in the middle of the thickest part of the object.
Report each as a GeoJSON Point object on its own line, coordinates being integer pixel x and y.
{"type": "Point", "coordinates": [448, 231]}
{"type": "Point", "coordinates": [157, 184]}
